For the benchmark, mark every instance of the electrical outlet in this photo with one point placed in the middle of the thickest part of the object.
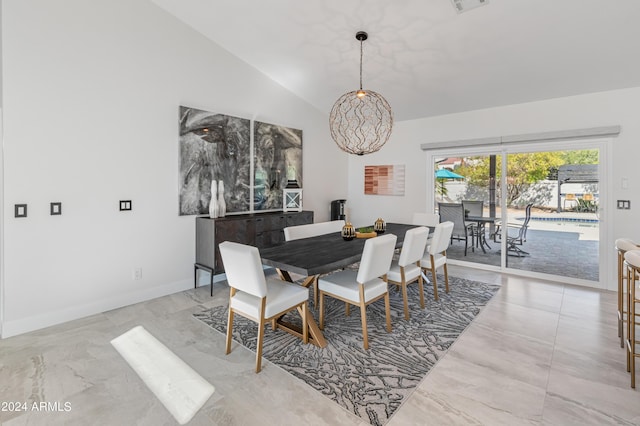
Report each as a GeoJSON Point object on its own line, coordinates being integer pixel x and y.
{"type": "Point", "coordinates": [137, 274]}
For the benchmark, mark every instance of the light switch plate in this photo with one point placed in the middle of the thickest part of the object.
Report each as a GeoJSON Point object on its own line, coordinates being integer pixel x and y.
{"type": "Point", "coordinates": [125, 205]}
{"type": "Point", "coordinates": [20, 210]}
{"type": "Point", "coordinates": [624, 204]}
{"type": "Point", "coordinates": [55, 209]}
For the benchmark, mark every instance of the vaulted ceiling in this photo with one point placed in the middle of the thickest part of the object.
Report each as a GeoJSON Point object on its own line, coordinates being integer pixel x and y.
{"type": "Point", "coordinates": [423, 56]}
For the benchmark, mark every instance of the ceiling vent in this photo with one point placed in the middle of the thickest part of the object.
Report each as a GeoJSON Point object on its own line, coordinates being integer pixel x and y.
{"type": "Point", "coordinates": [466, 5]}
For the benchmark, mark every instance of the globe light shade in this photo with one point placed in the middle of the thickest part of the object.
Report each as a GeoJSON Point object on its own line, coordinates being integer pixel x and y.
{"type": "Point", "coordinates": [361, 122]}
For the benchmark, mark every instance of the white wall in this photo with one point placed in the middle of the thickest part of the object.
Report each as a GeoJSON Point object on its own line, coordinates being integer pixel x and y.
{"type": "Point", "coordinates": [90, 105]}
{"type": "Point", "coordinates": [618, 107]}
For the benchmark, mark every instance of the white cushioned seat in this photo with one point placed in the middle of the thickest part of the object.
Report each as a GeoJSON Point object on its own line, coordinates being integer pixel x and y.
{"type": "Point", "coordinates": [344, 285]}
{"type": "Point", "coordinates": [255, 297]}
{"type": "Point", "coordinates": [280, 297]}
{"type": "Point", "coordinates": [411, 272]}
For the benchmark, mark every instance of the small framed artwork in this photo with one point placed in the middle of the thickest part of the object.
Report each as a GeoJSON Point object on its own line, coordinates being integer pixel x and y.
{"type": "Point", "coordinates": [384, 180]}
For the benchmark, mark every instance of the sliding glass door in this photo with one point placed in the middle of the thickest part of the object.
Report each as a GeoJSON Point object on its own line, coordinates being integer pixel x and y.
{"type": "Point", "coordinates": [523, 209]}
{"type": "Point", "coordinates": [466, 189]}
{"type": "Point", "coordinates": [559, 233]}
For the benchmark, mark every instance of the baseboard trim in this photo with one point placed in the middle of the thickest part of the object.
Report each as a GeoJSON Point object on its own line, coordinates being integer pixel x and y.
{"type": "Point", "coordinates": [48, 319]}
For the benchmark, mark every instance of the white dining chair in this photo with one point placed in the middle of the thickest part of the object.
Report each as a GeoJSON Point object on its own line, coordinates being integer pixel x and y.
{"type": "Point", "coordinates": [256, 297]}
{"type": "Point", "coordinates": [429, 220]}
{"type": "Point", "coordinates": [406, 269]}
{"type": "Point", "coordinates": [437, 255]}
{"type": "Point", "coordinates": [425, 219]}
{"type": "Point", "coordinates": [365, 286]}
{"type": "Point", "coordinates": [311, 230]}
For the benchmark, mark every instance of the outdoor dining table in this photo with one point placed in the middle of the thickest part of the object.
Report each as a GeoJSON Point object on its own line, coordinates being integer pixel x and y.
{"type": "Point", "coordinates": [311, 257]}
{"type": "Point", "coordinates": [482, 221]}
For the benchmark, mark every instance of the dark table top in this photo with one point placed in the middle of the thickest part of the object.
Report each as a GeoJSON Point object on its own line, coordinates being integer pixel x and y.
{"type": "Point", "coordinates": [322, 253]}
{"type": "Point", "coordinates": [481, 219]}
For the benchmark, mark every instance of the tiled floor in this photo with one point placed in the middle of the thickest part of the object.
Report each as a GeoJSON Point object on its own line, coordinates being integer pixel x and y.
{"type": "Point", "coordinates": [539, 353]}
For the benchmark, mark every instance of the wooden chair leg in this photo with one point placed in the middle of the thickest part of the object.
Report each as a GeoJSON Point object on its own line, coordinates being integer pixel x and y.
{"type": "Point", "coordinates": [628, 316]}
{"type": "Point", "coordinates": [305, 324]}
{"type": "Point", "coordinates": [621, 299]}
{"type": "Point", "coordinates": [404, 299]}
{"type": "Point", "coordinates": [446, 278]}
{"type": "Point", "coordinates": [261, 325]}
{"type": "Point", "coordinates": [229, 330]}
{"type": "Point", "coordinates": [363, 318]}
{"type": "Point", "coordinates": [435, 279]}
{"type": "Point", "coordinates": [387, 308]}
{"type": "Point", "coordinates": [632, 332]}
{"type": "Point", "coordinates": [321, 309]}
{"type": "Point", "coordinates": [347, 309]}
{"type": "Point", "coordinates": [315, 291]}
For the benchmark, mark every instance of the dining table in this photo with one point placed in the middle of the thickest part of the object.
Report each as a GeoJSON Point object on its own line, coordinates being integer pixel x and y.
{"type": "Point", "coordinates": [481, 222]}
{"type": "Point", "coordinates": [315, 256]}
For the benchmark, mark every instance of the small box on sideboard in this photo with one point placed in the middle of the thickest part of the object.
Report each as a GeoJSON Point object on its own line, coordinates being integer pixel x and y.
{"type": "Point", "coordinates": [258, 229]}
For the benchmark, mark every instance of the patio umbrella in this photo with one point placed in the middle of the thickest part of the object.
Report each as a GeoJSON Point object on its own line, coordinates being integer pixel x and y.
{"type": "Point", "coordinates": [447, 174]}
{"type": "Point", "coordinates": [441, 176]}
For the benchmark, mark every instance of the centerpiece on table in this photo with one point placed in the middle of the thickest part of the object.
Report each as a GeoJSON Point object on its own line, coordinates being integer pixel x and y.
{"type": "Point", "coordinates": [366, 232]}
{"type": "Point", "coordinates": [380, 226]}
{"type": "Point", "coordinates": [348, 232]}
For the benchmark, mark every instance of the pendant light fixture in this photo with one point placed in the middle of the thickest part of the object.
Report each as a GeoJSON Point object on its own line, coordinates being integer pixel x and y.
{"type": "Point", "coordinates": [361, 121]}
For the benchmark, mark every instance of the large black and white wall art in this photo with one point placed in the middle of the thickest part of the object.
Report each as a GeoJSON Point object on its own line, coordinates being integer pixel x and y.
{"type": "Point", "coordinates": [277, 159]}
{"type": "Point", "coordinates": [213, 147]}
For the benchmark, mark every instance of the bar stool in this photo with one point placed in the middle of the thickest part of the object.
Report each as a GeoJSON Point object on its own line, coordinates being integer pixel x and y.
{"type": "Point", "coordinates": [632, 262]}
{"type": "Point", "coordinates": [623, 245]}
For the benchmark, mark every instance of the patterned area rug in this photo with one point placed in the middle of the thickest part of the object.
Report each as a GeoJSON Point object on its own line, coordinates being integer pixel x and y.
{"type": "Point", "coordinates": [369, 383]}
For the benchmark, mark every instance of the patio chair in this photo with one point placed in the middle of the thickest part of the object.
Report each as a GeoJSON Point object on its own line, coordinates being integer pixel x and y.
{"type": "Point", "coordinates": [571, 198]}
{"type": "Point", "coordinates": [586, 204]}
{"type": "Point", "coordinates": [454, 212]}
{"type": "Point", "coordinates": [516, 226]}
{"type": "Point", "coordinates": [474, 208]}
{"type": "Point", "coordinates": [519, 234]}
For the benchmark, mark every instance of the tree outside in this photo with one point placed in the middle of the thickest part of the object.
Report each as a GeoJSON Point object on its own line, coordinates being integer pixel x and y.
{"type": "Point", "coordinates": [523, 170]}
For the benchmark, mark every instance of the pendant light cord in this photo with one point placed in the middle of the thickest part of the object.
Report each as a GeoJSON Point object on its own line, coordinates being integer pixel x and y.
{"type": "Point", "coordinates": [361, 64]}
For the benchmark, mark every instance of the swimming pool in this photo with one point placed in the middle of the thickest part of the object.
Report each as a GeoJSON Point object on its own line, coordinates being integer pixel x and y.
{"type": "Point", "coordinates": [562, 219]}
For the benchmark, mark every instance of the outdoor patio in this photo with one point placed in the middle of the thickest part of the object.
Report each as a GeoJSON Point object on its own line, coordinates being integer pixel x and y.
{"type": "Point", "coordinates": [555, 246]}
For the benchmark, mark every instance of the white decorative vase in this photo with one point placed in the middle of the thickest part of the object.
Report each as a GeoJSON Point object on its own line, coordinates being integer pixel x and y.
{"type": "Point", "coordinates": [213, 203]}
{"type": "Point", "coordinates": [222, 204]}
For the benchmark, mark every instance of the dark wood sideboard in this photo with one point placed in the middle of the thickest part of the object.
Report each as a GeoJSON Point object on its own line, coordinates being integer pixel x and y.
{"type": "Point", "coordinates": [257, 229]}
